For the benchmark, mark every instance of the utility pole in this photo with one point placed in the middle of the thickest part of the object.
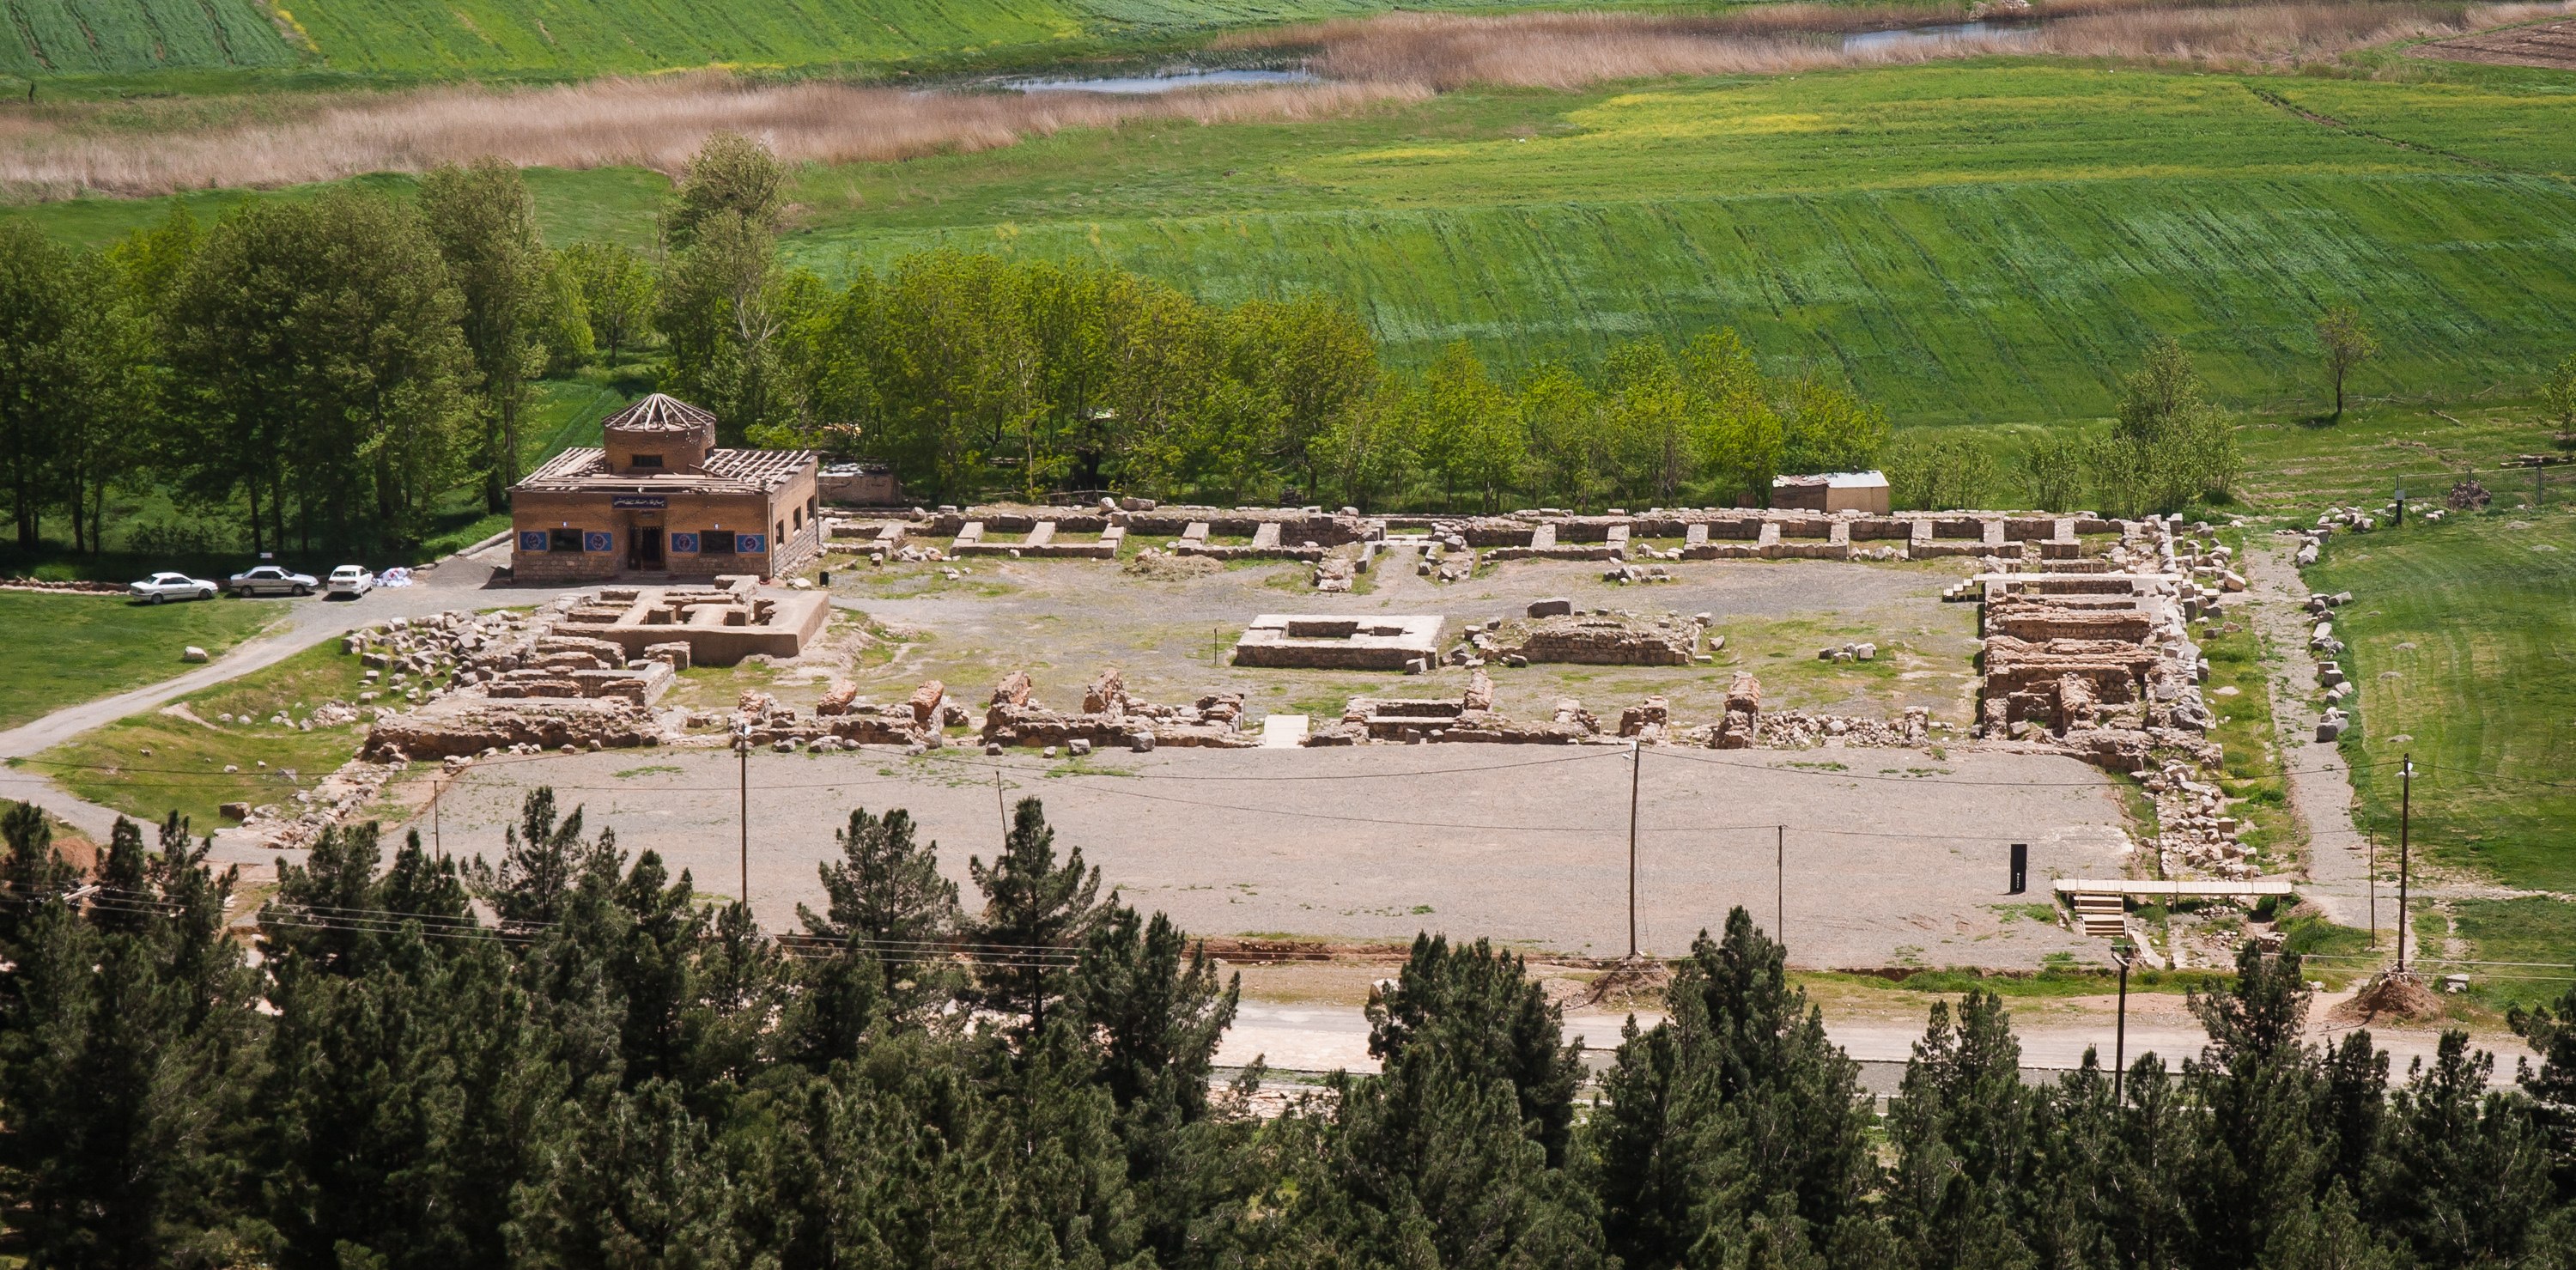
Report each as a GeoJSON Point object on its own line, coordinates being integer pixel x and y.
{"type": "Point", "coordinates": [2373, 840]}
{"type": "Point", "coordinates": [1780, 883]}
{"type": "Point", "coordinates": [1636, 764]}
{"type": "Point", "coordinates": [1000, 810]}
{"type": "Point", "coordinates": [437, 838]}
{"type": "Point", "coordinates": [742, 756]}
{"type": "Point", "coordinates": [2123, 953]}
{"type": "Point", "coordinates": [2405, 813]}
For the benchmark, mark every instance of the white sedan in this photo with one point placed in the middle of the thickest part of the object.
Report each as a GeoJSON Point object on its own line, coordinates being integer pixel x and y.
{"type": "Point", "coordinates": [268, 579]}
{"type": "Point", "coordinates": [171, 586]}
{"type": "Point", "coordinates": [351, 581]}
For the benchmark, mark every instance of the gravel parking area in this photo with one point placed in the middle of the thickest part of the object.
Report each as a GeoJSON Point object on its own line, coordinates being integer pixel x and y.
{"type": "Point", "coordinates": [1892, 857]}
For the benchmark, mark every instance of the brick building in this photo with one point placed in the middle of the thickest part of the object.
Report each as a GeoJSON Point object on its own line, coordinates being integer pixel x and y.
{"type": "Point", "coordinates": [661, 501]}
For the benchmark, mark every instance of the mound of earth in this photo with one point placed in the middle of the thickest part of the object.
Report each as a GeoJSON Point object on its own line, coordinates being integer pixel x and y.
{"type": "Point", "coordinates": [2390, 995]}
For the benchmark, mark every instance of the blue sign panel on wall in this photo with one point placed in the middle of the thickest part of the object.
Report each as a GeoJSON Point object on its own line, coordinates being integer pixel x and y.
{"type": "Point", "coordinates": [595, 540]}
{"type": "Point", "coordinates": [532, 540]}
{"type": "Point", "coordinates": [685, 544]}
{"type": "Point", "coordinates": [750, 544]}
{"type": "Point", "coordinates": [638, 500]}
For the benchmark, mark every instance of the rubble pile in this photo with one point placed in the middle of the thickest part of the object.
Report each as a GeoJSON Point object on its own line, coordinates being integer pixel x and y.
{"type": "Point", "coordinates": [2466, 496]}
{"type": "Point", "coordinates": [2195, 830]}
{"type": "Point", "coordinates": [843, 722]}
{"type": "Point", "coordinates": [1628, 574]}
{"type": "Point", "coordinates": [1110, 716]}
{"type": "Point", "coordinates": [1800, 730]}
{"type": "Point", "coordinates": [1604, 639]}
{"type": "Point", "coordinates": [510, 684]}
{"type": "Point", "coordinates": [1450, 560]}
{"type": "Point", "coordinates": [1336, 573]}
{"type": "Point", "coordinates": [346, 792]}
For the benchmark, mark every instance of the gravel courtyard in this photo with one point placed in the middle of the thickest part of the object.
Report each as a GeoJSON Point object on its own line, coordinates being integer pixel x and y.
{"type": "Point", "coordinates": [1892, 857]}
{"type": "Point", "coordinates": [1064, 621]}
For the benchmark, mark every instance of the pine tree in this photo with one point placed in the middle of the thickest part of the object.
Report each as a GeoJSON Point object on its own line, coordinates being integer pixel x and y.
{"type": "Point", "coordinates": [1738, 1104]}
{"type": "Point", "coordinates": [1150, 1005]}
{"type": "Point", "coordinates": [1035, 915]}
{"type": "Point", "coordinates": [888, 905]}
{"type": "Point", "coordinates": [123, 1057]}
{"type": "Point", "coordinates": [1444, 1158]}
{"type": "Point", "coordinates": [2464, 1176]}
{"type": "Point", "coordinates": [2259, 1160]}
{"type": "Point", "coordinates": [1960, 1124]}
{"type": "Point", "coordinates": [2552, 1085]}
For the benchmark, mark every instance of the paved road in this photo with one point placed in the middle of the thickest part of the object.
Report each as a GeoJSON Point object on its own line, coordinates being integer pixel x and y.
{"type": "Point", "coordinates": [1313, 1037]}
{"type": "Point", "coordinates": [459, 582]}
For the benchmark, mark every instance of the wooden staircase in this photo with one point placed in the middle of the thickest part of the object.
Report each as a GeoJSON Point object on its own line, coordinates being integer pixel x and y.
{"type": "Point", "coordinates": [2100, 916]}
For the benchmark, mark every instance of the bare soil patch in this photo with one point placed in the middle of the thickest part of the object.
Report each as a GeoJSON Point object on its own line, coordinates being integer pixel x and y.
{"type": "Point", "coordinates": [2551, 45]}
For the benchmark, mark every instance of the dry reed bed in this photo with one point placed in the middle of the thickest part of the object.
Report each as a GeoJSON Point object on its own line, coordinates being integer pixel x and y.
{"type": "Point", "coordinates": [1574, 50]}
{"type": "Point", "coordinates": [658, 122]}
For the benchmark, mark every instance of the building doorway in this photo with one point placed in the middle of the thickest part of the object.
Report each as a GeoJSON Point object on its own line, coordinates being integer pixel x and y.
{"type": "Point", "coordinates": [644, 547]}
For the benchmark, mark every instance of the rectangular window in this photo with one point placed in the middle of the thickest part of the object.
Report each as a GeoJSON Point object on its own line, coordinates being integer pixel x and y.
{"type": "Point", "coordinates": [563, 540]}
{"type": "Point", "coordinates": [716, 542]}
{"type": "Point", "coordinates": [644, 460]}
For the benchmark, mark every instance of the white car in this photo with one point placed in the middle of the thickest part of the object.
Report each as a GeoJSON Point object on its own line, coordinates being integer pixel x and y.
{"type": "Point", "coordinates": [269, 579]}
{"type": "Point", "coordinates": [351, 581]}
{"type": "Point", "coordinates": [171, 586]}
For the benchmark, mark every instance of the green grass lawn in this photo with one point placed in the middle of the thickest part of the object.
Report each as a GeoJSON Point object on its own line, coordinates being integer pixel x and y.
{"type": "Point", "coordinates": [2530, 929]}
{"type": "Point", "coordinates": [151, 763]}
{"type": "Point", "coordinates": [2461, 637]}
{"type": "Point", "coordinates": [65, 649]}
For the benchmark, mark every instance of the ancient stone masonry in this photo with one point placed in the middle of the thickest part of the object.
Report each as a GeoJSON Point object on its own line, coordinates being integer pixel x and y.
{"type": "Point", "coordinates": [1331, 642]}
{"type": "Point", "coordinates": [720, 625]}
{"type": "Point", "coordinates": [2096, 657]}
{"type": "Point", "coordinates": [1111, 717]}
{"type": "Point", "coordinates": [1606, 639]}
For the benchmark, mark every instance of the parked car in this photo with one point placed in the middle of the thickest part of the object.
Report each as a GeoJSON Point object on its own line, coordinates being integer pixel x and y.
{"type": "Point", "coordinates": [171, 586]}
{"type": "Point", "coordinates": [351, 581]}
{"type": "Point", "coordinates": [269, 579]}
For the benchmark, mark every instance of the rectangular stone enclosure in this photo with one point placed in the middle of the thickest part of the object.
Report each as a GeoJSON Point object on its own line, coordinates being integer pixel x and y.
{"type": "Point", "coordinates": [1329, 642]}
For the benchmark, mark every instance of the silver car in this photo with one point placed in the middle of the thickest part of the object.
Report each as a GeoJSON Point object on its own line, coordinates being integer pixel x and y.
{"type": "Point", "coordinates": [269, 579]}
{"type": "Point", "coordinates": [171, 586]}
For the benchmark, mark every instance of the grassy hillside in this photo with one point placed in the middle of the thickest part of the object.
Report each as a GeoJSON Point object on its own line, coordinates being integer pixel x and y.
{"type": "Point", "coordinates": [2460, 636]}
{"type": "Point", "coordinates": [405, 39]}
{"type": "Point", "coordinates": [79, 37]}
{"type": "Point", "coordinates": [1969, 242]}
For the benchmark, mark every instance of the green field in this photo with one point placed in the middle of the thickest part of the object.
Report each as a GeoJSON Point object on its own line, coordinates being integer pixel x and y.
{"type": "Point", "coordinates": [2460, 636]}
{"type": "Point", "coordinates": [52, 39]}
{"type": "Point", "coordinates": [151, 763]}
{"type": "Point", "coordinates": [1970, 243]}
{"type": "Point", "coordinates": [88, 37]}
{"type": "Point", "coordinates": [95, 646]}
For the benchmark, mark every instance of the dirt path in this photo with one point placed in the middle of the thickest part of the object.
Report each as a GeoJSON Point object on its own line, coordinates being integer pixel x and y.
{"type": "Point", "coordinates": [2320, 783]}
